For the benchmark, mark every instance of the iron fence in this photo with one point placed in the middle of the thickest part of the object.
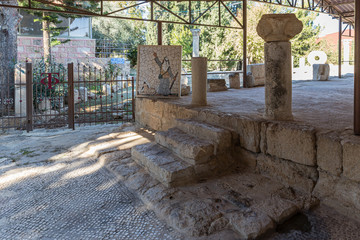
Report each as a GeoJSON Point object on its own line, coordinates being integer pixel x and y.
{"type": "Point", "coordinates": [13, 98]}
{"type": "Point", "coordinates": [56, 96]}
{"type": "Point", "coordinates": [102, 96]}
{"type": "Point", "coordinates": [106, 48]}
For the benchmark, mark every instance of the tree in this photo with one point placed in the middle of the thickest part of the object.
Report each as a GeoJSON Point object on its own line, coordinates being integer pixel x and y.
{"type": "Point", "coordinates": [9, 20]}
{"type": "Point", "coordinates": [211, 38]}
{"type": "Point", "coordinates": [122, 32]}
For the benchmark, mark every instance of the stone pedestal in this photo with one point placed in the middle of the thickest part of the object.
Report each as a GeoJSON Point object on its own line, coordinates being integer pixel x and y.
{"type": "Point", "coordinates": [277, 30]}
{"type": "Point", "coordinates": [196, 38]}
{"type": "Point", "coordinates": [199, 80]}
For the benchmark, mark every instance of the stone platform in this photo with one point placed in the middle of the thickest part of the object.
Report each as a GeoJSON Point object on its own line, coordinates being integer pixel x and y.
{"type": "Point", "coordinates": [315, 154]}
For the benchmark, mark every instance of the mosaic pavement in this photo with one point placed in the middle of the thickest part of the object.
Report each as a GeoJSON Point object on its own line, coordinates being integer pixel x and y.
{"type": "Point", "coordinates": [51, 189]}
{"type": "Point", "coordinates": [69, 199]}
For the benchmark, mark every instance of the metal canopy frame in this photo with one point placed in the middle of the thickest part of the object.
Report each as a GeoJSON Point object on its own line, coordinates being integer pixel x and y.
{"type": "Point", "coordinates": [190, 19]}
{"type": "Point", "coordinates": [347, 11]}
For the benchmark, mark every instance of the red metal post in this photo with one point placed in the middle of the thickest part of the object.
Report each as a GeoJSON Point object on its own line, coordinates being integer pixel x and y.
{"type": "Point", "coordinates": [357, 70]}
{"type": "Point", "coordinates": [133, 97]}
{"type": "Point", "coordinates": [71, 114]}
{"type": "Point", "coordinates": [159, 24]}
{"type": "Point", "coordinates": [29, 97]}
{"type": "Point", "coordinates": [244, 41]}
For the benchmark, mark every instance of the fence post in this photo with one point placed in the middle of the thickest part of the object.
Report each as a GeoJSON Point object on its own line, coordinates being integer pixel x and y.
{"type": "Point", "coordinates": [29, 97]}
{"type": "Point", "coordinates": [71, 114]}
{"type": "Point", "coordinates": [133, 97]}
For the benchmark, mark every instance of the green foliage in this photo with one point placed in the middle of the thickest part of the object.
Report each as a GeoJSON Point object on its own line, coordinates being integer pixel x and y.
{"type": "Point", "coordinates": [130, 33]}
{"type": "Point", "coordinates": [226, 44]}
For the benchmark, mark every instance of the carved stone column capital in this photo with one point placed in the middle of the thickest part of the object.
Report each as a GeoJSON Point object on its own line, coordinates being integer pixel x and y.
{"type": "Point", "coordinates": [278, 27]}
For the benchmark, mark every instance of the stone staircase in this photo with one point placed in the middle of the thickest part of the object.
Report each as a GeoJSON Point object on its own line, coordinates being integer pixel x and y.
{"type": "Point", "coordinates": [189, 152]}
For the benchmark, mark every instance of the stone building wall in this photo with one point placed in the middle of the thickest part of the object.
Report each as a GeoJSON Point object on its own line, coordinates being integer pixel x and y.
{"type": "Point", "coordinates": [323, 163]}
{"type": "Point", "coordinates": [76, 50]}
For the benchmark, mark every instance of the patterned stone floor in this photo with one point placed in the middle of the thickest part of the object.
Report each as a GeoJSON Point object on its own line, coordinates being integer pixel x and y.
{"type": "Point", "coordinates": [68, 198]}
{"type": "Point", "coordinates": [51, 188]}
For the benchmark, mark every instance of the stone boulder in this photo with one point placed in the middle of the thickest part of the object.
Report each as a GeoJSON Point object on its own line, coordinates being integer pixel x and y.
{"type": "Point", "coordinates": [321, 72]}
{"type": "Point", "coordinates": [185, 90]}
{"type": "Point", "coordinates": [255, 75]}
{"type": "Point", "coordinates": [216, 85]}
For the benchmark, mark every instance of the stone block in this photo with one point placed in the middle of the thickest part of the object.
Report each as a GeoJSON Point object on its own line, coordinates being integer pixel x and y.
{"type": "Point", "coordinates": [351, 157]}
{"type": "Point", "coordinates": [234, 80]}
{"type": "Point", "coordinates": [162, 164]}
{"type": "Point", "coordinates": [339, 193]}
{"type": "Point", "coordinates": [251, 225]}
{"type": "Point", "coordinates": [219, 136]}
{"type": "Point", "coordinates": [329, 152]}
{"type": "Point", "coordinates": [185, 90]}
{"type": "Point", "coordinates": [245, 157]}
{"type": "Point", "coordinates": [255, 75]}
{"type": "Point", "coordinates": [296, 143]}
{"type": "Point", "coordinates": [216, 85]}
{"type": "Point", "coordinates": [297, 176]}
{"type": "Point", "coordinates": [83, 50]}
{"type": "Point", "coordinates": [25, 41]}
{"type": "Point", "coordinates": [189, 148]}
{"type": "Point", "coordinates": [249, 134]}
{"type": "Point", "coordinates": [321, 72]}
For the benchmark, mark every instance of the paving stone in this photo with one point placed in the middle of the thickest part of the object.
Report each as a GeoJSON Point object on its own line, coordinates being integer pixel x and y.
{"type": "Point", "coordinates": [251, 224]}
{"type": "Point", "coordinates": [192, 149]}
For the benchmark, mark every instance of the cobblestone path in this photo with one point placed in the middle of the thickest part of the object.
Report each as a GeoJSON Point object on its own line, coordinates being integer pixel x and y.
{"type": "Point", "coordinates": [67, 198]}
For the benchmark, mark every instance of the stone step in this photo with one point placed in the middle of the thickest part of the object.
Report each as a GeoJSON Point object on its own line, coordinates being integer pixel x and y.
{"type": "Point", "coordinates": [163, 165]}
{"type": "Point", "coordinates": [219, 136]}
{"type": "Point", "coordinates": [191, 149]}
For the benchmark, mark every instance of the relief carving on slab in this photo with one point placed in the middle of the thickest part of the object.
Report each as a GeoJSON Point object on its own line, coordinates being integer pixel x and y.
{"type": "Point", "coordinates": [159, 71]}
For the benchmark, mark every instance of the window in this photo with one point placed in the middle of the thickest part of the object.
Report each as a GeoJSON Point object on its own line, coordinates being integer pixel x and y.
{"type": "Point", "coordinates": [76, 28]}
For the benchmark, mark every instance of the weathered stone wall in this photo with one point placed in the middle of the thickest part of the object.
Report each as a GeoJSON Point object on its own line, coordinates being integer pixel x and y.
{"type": "Point", "coordinates": [325, 164]}
{"type": "Point", "coordinates": [73, 51]}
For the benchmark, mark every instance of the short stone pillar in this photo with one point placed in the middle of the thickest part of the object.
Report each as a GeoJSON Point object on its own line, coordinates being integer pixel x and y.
{"type": "Point", "coordinates": [234, 80]}
{"type": "Point", "coordinates": [196, 39]}
{"type": "Point", "coordinates": [199, 80]}
{"type": "Point", "coordinates": [346, 43]}
{"type": "Point", "coordinates": [277, 30]}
